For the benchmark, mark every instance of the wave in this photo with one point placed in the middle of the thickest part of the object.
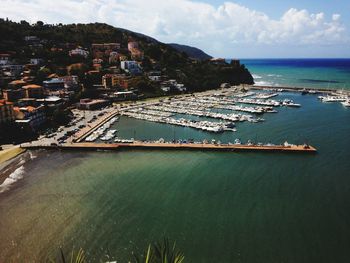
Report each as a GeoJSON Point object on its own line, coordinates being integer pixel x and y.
{"type": "Point", "coordinates": [256, 76]}
{"type": "Point", "coordinates": [32, 156]}
{"type": "Point", "coordinates": [263, 83]}
{"type": "Point", "coordinates": [274, 75]}
{"type": "Point", "coordinates": [12, 178]}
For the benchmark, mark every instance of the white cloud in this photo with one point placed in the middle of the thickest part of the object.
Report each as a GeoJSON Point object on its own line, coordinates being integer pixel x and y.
{"type": "Point", "coordinates": [216, 30]}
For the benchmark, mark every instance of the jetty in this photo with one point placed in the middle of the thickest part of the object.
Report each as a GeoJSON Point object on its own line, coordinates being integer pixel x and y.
{"type": "Point", "coordinates": [178, 146]}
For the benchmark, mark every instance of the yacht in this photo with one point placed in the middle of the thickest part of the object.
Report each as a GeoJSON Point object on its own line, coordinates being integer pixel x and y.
{"type": "Point", "coordinates": [334, 99]}
{"type": "Point", "coordinates": [346, 103]}
{"type": "Point", "coordinates": [238, 141]}
{"type": "Point", "coordinates": [290, 103]}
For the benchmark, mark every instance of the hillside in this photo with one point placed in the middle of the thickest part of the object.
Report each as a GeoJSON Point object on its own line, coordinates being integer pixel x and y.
{"type": "Point", "coordinates": [196, 75]}
{"type": "Point", "coordinates": [192, 52]}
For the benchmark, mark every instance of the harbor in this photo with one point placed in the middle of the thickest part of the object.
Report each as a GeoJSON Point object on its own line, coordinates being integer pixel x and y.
{"type": "Point", "coordinates": [208, 177]}
{"type": "Point", "coordinates": [220, 112]}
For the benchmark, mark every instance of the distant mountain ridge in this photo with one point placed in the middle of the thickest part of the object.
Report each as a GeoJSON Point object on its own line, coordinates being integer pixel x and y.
{"type": "Point", "coordinates": [192, 52]}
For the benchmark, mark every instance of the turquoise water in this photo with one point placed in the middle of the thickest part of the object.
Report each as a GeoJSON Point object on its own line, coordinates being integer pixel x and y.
{"type": "Point", "coordinates": [219, 207]}
{"type": "Point", "coordinates": [315, 73]}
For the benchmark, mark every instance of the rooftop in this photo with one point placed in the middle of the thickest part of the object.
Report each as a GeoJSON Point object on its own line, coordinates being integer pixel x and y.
{"type": "Point", "coordinates": [32, 86]}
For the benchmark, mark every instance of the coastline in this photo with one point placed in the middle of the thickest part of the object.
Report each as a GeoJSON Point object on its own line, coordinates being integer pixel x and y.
{"type": "Point", "coordinates": [11, 160]}
{"type": "Point", "coordinates": [8, 154]}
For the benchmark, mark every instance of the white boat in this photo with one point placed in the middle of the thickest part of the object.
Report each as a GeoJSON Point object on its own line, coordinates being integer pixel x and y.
{"type": "Point", "coordinates": [290, 103]}
{"type": "Point", "coordinates": [346, 103]}
{"type": "Point", "coordinates": [334, 99]}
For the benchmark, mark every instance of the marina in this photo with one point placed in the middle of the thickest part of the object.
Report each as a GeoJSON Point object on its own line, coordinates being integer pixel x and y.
{"type": "Point", "coordinates": [214, 112]}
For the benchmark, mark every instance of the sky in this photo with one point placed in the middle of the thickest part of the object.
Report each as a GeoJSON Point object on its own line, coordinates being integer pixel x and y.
{"type": "Point", "coordinates": [230, 29]}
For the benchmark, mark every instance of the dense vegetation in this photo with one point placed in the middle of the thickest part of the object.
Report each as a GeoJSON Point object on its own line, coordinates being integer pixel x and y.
{"type": "Point", "coordinates": [192, 52]}
{"type": "Point", "coordinates": [195, 74]}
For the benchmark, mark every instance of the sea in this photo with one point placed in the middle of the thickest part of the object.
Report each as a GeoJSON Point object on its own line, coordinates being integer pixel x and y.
{"type": "Point", "coordinates": [216, 206]}
{"type": "Point", "coordinates": [313, 73]}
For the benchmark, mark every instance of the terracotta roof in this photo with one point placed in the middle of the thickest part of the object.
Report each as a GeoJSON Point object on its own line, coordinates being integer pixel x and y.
{"type": "Point", "coordinates": [32, 86]}
{"type": "Point", "coordinates": [15, 82]}
{"type": "Point", "coordinates": [4, 102]}
{"type": "Point", "coordinates": [30, 108]}
{"type": "Point", "coordinates": [54, 75]}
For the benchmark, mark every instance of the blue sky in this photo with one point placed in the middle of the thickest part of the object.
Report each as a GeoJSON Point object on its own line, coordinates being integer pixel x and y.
{"type": "Point", "coordinates": [237, 29]}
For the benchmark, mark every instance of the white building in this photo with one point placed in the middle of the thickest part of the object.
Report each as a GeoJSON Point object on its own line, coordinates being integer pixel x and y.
{"type": "Point", "coordinates": [79, 52]}
{"type": "Point", "coordinates": [36, 61]}
{"type": "Point", "coordinates": [130, 66]}
{"type": "Point", "coordinates": [4, 59]}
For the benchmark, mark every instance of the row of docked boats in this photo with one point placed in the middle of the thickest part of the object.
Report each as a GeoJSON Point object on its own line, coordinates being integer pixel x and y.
{"type": "Point", "coordinates": [343, 99]}
{"type": "Point", "coordinates": [200, 125]}
{"type": "Point", "coordinates": [101, 130]}
{"type": "Point", "coordinates": [205, 113]}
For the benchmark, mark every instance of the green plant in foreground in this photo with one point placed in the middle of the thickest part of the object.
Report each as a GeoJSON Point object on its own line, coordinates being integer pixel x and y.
{"type": "Point", "coordinates": [160, 252]}
{"type": "Point", "coordinates": [78, 258]}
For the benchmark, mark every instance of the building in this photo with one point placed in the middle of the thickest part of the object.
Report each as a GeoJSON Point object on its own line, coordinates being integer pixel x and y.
{"type": "Point", "coordinates": [136, 53]}
{"type": "Point", "coordinates": [14, 71]}
{"type": "Point", "coordinates": [131, 67]}
{"type": "Point", "coordinates": [109, 81]}
{"type": "Point", "coordinates": [218, 61]}
{"type": "Point", "coordinates": [36, 61]}
{"type": "Point", "coordinates": [172, 85]}
{"type": "Point", "coordinates": [5, 59]}
{"type": "Point", "coordinates": [16, 84]}
{"type": "Point", "coordinates": [133, 45]}
{"type": "Point", "coordinates": [79, 52]}
{"type": "Point", "coordinates": [29, 117]}
{"type": "Point", "coordinates": [89, 104]}
{"type": "Point", "coordinates": [116, 81]}
{"type": "Point", "coordinates": [31, 39]}
{"type": "Point", "coordinates": [33, 91]}
{"type": "Point", "coordinates": [13, 95]}
{"type": "Point", "coordinates": [104, 50]}
{"type": "Point", "coordinates": [27, 102]}
{"type": "Point", "coordinates": [7, 113]}
{"type": "Point", "coordinates": [113, 57]}
{"type": "Point", "coordinates": [236, 63]}
{"type": "Point", "coordinates": [97, 61]}
{"type": "Point", "coordinates": [155, 76]}
{"type": "Point", "coordinates": [124, 95]}
{"type": "Point", "coordinates": [54, 84]}
{"type": "Point", "coordinates": [71, 83]}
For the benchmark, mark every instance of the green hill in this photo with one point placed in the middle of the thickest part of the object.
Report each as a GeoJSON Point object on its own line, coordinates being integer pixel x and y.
{"type": "Point", "coordinates": [196, 75]}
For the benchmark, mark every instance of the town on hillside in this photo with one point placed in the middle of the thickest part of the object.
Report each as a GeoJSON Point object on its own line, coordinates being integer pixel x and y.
{"type": "Point", "coordinates": [39, 91]}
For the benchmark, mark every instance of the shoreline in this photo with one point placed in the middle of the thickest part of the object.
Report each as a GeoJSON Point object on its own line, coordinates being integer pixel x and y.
{"type": "Point", "coordinates": [7, 155]}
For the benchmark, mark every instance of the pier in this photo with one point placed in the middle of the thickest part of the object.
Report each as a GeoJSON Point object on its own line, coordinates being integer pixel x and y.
{"type": "Point", "coordinates": [179, 146]}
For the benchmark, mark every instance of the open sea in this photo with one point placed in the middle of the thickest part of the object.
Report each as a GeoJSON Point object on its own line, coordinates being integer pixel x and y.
{"type": "Point", "coordinates": [315, 73]}
{"type": "Point", "coordinates": [217, 206]}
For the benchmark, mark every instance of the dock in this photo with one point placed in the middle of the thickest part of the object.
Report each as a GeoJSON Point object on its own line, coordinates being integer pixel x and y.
{"type": "Point", "coordinates": [178, 146]}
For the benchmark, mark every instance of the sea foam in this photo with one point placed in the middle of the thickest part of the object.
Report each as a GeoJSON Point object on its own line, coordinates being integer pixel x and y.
{"type": "Point", "coordinates": [12, 178]}
{"type": "Point", "coordinates": [256, 76]}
